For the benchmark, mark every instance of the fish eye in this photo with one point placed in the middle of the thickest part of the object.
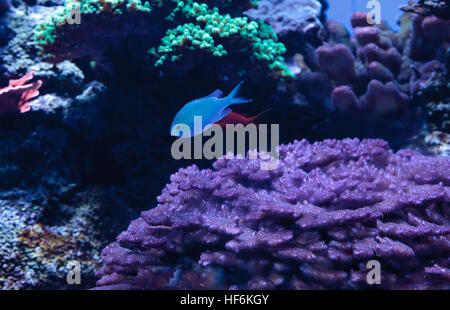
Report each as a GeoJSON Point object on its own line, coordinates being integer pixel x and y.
{"type": "Point", "coordinates": [178, 127]}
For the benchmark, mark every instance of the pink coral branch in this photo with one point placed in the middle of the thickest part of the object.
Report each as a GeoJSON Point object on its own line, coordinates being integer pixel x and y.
{"type": "Point", "coordinates": [15, 97]}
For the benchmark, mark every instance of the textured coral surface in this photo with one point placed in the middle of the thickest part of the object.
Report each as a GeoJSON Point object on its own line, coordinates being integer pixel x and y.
{"type": "Point", "coordinates": [314, 222]}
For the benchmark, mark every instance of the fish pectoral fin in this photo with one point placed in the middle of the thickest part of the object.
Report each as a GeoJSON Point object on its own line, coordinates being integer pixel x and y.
{"type": "Point", "coordinates": [224, 113]}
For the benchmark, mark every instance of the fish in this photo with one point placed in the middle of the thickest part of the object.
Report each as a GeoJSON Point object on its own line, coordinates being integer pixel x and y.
{"type": "Point", "coordinates": [211, 109]}
{"type": "Point", "coordinates": [236, 118]}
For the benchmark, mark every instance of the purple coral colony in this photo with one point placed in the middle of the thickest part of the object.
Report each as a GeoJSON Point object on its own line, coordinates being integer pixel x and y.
{"type": "Point", "coordinates": [88, 92]}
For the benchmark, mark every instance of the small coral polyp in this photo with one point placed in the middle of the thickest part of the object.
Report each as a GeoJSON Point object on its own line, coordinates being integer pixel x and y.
{"type": "Point", "coordinates": [168, 30]}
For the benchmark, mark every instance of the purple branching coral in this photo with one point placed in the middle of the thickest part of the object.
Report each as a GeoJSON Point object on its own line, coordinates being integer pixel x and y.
{"type": "Point", "coordinates": [376, 73]}
{"type": "Point", "coordinates": [430, 38]}
{"type": "Point", "coordinates": [370, 82]}
{"type": "Point", "coordinates": [314, 222]}
{"type": "Point", "coordinates": [370, 74]}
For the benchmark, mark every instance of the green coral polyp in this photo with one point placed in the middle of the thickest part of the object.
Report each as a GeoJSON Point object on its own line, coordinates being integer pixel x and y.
{"type": "Point", "coordinates": [196, 27]}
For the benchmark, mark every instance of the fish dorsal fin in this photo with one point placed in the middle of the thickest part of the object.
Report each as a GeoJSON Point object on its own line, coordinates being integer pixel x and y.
{"type": "Point", "coordinates": [215, 94]}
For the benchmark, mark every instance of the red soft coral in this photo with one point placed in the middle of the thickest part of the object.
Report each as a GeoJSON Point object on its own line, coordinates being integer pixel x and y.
{"type": "Point", "coordinates": [15, 97]}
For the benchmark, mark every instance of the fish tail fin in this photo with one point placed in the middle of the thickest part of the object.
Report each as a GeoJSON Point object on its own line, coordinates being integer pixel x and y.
{"type": "Point", "coordinates": [255, 117]}
{"type": "Point", "coordinates": [233, 95]}
{"type": "Point", "coordinates": [262, 112]}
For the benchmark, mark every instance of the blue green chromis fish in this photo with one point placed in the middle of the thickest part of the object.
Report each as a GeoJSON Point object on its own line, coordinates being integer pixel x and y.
{"type": "Point", "coordinates": [211, 109]}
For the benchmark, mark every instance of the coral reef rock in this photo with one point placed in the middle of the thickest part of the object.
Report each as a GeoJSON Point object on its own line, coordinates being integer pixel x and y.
{"type": "Point", "coordinates": [294, 21]}
{"type": "Point", "coordinates": [39, 240]}
{"type": "Point", "coordinates": [173, 34]}
{"type": "Point", "coordinates": [438, 8]}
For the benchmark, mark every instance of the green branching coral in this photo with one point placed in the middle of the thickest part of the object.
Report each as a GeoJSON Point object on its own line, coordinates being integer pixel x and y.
{"type": "Point", "coordinates": [213, 34]}
{"type": "Point", "coordinates": [167, 31]}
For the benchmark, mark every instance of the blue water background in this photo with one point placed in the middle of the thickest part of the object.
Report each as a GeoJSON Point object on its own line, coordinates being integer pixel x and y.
{"type": "Point", "coordinates": [342, 10]}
